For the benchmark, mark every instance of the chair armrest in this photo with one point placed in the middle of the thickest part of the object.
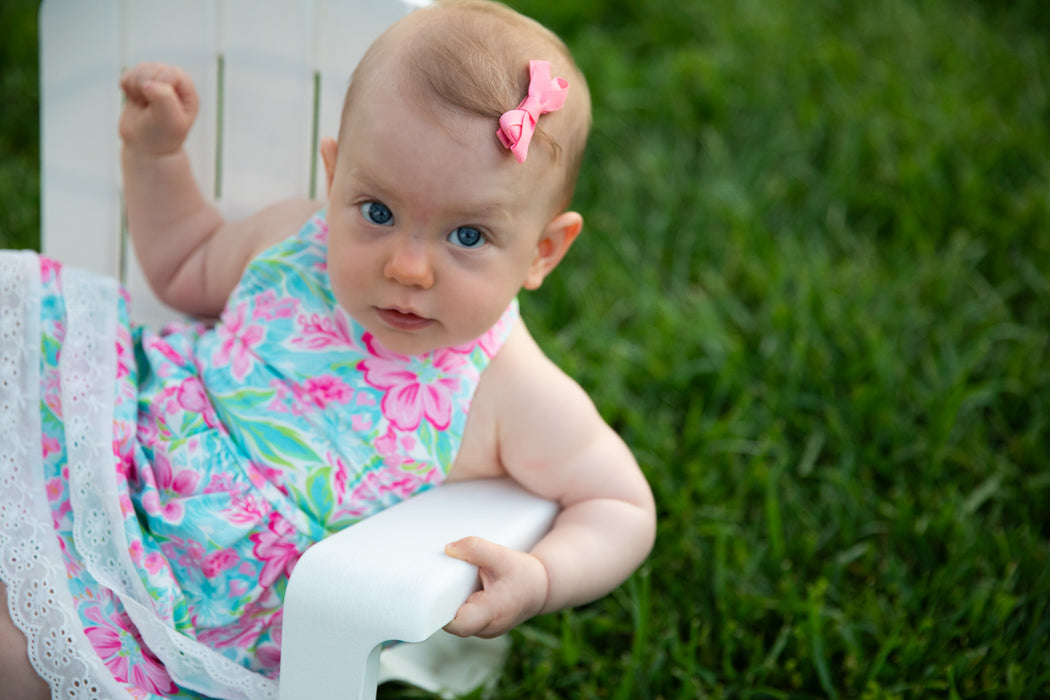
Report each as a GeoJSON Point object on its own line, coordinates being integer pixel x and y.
{"type": "Point", "coordinates": [388, 578]}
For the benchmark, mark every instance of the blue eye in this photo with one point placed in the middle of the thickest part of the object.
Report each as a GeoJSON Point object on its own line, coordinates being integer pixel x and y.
{"type": "Point", "coordinates": [377, 213]}
{"type": "Point", "coordinates": [467, 237]}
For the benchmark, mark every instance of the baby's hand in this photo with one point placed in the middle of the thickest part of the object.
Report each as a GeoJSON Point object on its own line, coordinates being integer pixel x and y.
{"type": "Point", "coordinates": [514, 588]}
{"type": "Point", "coordinates": [161, 106]}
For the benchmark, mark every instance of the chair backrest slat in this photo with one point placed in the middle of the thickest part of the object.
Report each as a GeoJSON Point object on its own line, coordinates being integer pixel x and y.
{"type": "Point", "coordinates": [267, 102]}
{"type": "Point", "coordinates": [80, 170]}
{"type": "Point", "coordinates": [344, 32]}
{"type": "Point", "coordinates": [271, 75]}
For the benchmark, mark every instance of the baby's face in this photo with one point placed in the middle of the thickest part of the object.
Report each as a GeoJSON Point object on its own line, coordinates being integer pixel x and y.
{"type": "Point", "coordinates": [433, 228]}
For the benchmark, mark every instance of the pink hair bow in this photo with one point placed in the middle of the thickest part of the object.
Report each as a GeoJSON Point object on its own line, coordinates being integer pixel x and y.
{"type": "Point", "coordinates": [546, 94]}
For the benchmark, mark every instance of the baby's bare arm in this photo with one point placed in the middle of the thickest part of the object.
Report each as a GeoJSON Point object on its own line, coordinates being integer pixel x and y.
{"type": "Point", "coordinates": [552, 440]}
{"type": "Point", "coordinates": [190, 254]}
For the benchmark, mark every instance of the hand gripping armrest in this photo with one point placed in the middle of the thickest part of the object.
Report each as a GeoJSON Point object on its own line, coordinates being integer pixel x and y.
{"type": "Point", "coordinates": [388, 578]}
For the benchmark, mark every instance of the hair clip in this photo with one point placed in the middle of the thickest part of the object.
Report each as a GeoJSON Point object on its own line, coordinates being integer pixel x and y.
{"type": "Point", "coordinates": [546, 94]}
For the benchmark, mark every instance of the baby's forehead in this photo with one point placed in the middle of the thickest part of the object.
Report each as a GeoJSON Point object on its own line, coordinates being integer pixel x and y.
{"type": "Point", "coordinates": [444, 152]}
{"type": "Point", "coordinates": [472, 59]}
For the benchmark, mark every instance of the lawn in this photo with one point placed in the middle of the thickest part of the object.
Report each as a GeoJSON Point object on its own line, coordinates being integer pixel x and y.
{"type": "Point", "coordinates": [814, 296]}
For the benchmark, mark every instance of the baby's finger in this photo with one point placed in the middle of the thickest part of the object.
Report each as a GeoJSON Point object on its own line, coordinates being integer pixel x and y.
{"type": "Point", "coordinates": [135, 80]}
{"type": "Point", "coordinates": [186, 92]}
{"type": "Point", "coordinates": [164, 100]}
{"type": "Point", "coordinates": [471, 619]}
{"type": "Point", "coordinates": [480, 552]}
{"type": "Point", "coordinates": [131, 83]}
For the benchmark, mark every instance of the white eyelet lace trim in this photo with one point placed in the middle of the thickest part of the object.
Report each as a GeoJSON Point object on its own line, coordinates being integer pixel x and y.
{"type": "Point", "coordinates": [38, 598]}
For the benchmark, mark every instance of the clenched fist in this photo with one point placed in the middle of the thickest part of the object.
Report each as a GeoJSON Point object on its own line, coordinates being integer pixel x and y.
{"type": "Point", "coordinates": [161, 106]}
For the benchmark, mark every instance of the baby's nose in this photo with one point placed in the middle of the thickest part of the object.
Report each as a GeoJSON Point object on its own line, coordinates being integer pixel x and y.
{"type": "Point", "coordinates": [409, 263]}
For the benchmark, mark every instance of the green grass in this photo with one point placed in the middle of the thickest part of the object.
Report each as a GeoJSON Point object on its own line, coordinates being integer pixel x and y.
{"type": "Point", "coordinates": [814, 296]}
{"type": "Point", "coordinates": [19, 127]}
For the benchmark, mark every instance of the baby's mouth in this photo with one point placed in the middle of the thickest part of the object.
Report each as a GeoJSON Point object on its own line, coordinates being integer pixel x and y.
{"type": "Point", "coordinates": [403, 320]}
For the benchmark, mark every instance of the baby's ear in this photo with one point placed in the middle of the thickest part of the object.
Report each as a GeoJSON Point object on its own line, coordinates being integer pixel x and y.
{"type": "Point", "coordinates": [329, 151]}
{"type": "Point", "coordinates": [555, 242]}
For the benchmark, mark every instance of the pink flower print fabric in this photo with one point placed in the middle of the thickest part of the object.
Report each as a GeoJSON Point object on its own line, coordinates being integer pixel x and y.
{"type": "Point", "coordinates": [414, 389]}
{"type": "Point", "coordinates": [234, 448]}
{"type": "Point", "coordinates": [119, 645]}
{"type": "Point", "coordinates": [237, 337]}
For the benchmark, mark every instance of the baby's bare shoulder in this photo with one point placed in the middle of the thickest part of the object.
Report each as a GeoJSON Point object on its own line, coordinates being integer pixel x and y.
{"type": "Point", "coordinates": [528, 386]}
{"type": "Point", "coordinates": [519, 394]}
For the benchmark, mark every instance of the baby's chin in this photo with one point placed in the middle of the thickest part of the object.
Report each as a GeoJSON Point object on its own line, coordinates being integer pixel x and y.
{"type": "Point", "coordinates": [407, 341]}
{"type": "Point", "coordinates": [413, 336]}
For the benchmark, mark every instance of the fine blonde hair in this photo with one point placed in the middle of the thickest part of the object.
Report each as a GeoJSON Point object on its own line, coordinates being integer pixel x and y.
{"type": "Point", "coordinates": [471, 57]}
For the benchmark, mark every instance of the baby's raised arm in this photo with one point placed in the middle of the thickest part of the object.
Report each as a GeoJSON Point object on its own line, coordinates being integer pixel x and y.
{"type": "Point", "coordinates": [548, 436]}
{"type": "Point", "coordinates": [191, 256]}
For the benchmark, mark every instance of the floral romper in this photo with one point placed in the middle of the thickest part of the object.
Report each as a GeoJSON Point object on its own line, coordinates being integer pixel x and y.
{"type": "Point", "coordinates": [156, 490]}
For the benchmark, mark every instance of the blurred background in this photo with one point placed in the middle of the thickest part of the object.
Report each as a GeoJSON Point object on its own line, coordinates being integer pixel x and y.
{"type": "Point", "coordinates": [813, 295]}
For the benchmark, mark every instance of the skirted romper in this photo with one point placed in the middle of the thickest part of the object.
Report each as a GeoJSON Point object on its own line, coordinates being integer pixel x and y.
{"type": "Point", "coordinates": [157, 489]}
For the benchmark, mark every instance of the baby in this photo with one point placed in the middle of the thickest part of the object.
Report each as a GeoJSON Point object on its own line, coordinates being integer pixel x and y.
{"type": "Point", "coordinates": [365, 350]}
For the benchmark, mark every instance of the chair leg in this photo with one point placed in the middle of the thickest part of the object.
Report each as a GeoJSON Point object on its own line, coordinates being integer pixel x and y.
{"type": "Point", "coordinates": [444, 664]}
{"type": "Point", "coordinates": [326, 669]}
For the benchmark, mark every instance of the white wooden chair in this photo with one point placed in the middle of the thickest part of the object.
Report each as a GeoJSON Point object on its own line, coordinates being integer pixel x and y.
{"type": "Point", "coordinates": [269, 72]}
